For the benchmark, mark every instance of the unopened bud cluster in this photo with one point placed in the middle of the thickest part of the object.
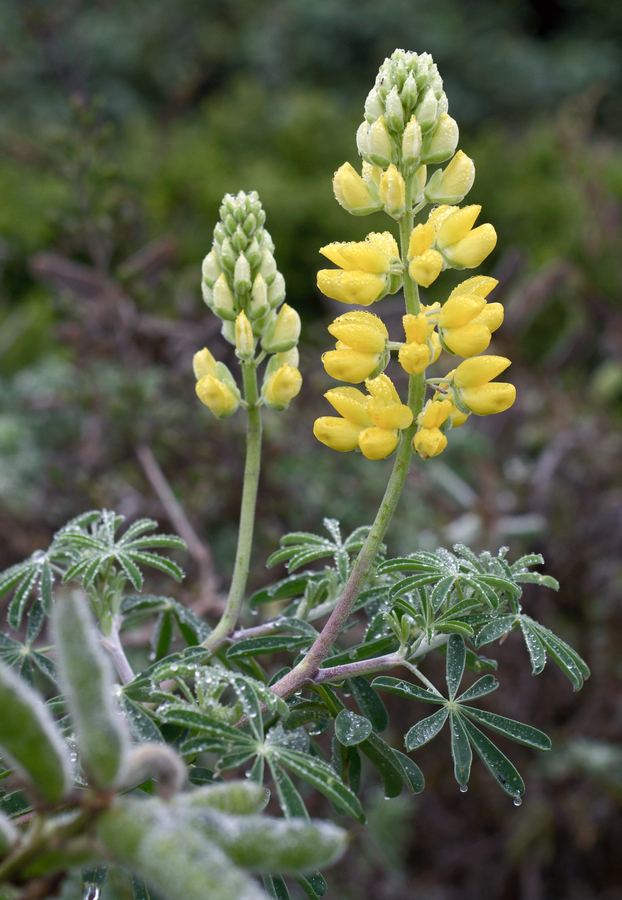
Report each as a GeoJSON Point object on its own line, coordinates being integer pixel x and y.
{"type": "Point", "coordinates": [243, 287]}
{"type": "Point", "coordinates": [406, 129]}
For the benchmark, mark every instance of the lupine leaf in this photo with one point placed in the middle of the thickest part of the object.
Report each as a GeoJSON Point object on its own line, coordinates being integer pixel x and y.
{"type": "Point", "coordinates": [313, 885]}
{"type": "Point", "coordinates": [159, 562]}
{"type": "Point", "coordinates": [535, 647]}
{"type": "Point", "coordinates": [141, 724]}
{"type": "Point", "coordinates": [460, 749]}
{"type": "Point", "coordinates": [495, 761]}
{"type": "Point", "coordinates": [268, 644]}
{"type": "Point", "coordinates": [20, 598]}
{"type": "Point", "coordinates": [484, 685]}
{"type": "Point", "coordinates": [456, 658]}
{"type": "Point", "coordinates": [516, 731]}
{"type": "Point", "coordinates": [390, 765]}
{"type": "Point", "coordinates": [351, 728]}
{"type": "Point", "coordinates": [320, 775]}
{"type": "Point", "coordinates": [426, 729]}
{"type": "Point", "coordinates": [290, 800]}
{"type": "Point", "coordinates": [494, 630]}
{"type": "Point", "coordinates": [275, 887]}
{"type": "Point", "coordinates": [535, 578]}
{"type": "Point", "coordinates": [406, 689]}
{"type": "Point", "coordinates": [369, 703]}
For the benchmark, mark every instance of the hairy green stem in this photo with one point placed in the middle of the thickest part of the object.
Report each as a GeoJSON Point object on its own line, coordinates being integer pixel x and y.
{"type": "Point", "coordinates": [252, 467]}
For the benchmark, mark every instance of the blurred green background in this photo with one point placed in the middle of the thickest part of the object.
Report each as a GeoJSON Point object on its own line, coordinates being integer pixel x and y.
{"type": "Point", "coordinates": [122, 124]}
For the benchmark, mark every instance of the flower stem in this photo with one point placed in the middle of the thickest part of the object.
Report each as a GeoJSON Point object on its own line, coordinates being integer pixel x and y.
{"type": "Point", "coordinates": [252, 466]}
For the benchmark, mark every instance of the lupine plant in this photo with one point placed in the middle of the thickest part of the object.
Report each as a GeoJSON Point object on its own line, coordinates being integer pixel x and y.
{"type": "Point", "coordinates": [165, 772]}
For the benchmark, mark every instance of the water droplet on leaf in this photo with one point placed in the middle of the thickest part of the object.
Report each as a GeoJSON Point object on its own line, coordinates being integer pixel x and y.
{"type": "Point", "coordinates": [463, 788]}
{"type": "Point", "coordinates": [517, 801]}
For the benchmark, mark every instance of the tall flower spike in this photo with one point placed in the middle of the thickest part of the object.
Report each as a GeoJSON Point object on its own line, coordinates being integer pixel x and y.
{"type": "Point", "coordinates": [367, 269]}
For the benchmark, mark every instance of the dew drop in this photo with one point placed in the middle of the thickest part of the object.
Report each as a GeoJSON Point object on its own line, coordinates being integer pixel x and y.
{"type": "Point", "coordinates": [91, 891]}
{"type": "Point", "coordinates": [463, 788]}
{"type": "Point", "coordinates": [518, 801]}
{"type": "Point", "coordinates": [254, 612]}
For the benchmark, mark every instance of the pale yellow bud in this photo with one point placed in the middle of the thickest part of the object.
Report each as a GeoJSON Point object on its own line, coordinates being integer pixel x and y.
{"type": "Point", "coordinates": [283, 386]}
{"type": "Point", "coordinates": [351, 191]}
{"type": "Point", "coordinates": [217, 395]}
{"type": "Point", "coordinates": [244, 339]}
{"type": "Point", "coordinates": [411, 142]}
{"type": "Point", "coordinates": [379, 146]}
{"type": "Point", "coordinates": [223, 299]}
{"type": "Point", "coordinates": [393, 190]}
{"type": "Point", "coordinates": [203, 363]}
{"type": "Point", "coordinates": [442, 142]}
{"type": "Point", "coordinates": [283, 333]}
{"type": "Point", "coordinates": [455, 182]}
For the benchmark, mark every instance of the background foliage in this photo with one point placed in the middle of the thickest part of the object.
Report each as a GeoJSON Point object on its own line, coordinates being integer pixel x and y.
{"type": "Point", "coordinates": [122, 125]}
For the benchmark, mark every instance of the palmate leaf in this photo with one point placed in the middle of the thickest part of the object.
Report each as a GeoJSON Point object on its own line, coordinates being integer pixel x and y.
{"type": "Point", "coordinates": [301, 547]}
{"type": "Point", "coordinates": [320, 776]}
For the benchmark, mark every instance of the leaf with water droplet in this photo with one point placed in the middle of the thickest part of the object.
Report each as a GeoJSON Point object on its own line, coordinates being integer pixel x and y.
{"type": "Point", "coordinates": [495, 761]}
{"type": "Point", "coordinates": [351, 728]}
{"type": "Point", "coordinates": [516, 731]}
{"type": "Point", "coordinates": [426, 729]}
{"type": "Point", "coordinates": [460, 748]}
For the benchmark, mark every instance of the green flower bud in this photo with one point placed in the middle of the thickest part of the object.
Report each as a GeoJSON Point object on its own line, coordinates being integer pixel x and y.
{"type": "Point", "coordinates": [259, 298]}
{"type": "Point", "coordinates": [411, 142]}
{"type": "Point", "coordinates": [409, 92]}
{"type": "Point", "coordinates": [223, 302]}
{"type": "Point", "coordinates": [244, 338]}
{"type": "Point", "coordinates": [373, 106]}
{"type": "Point", "coordinates": [379, 145]}
{"type": "Point", "coordinates": [267, 267]}
{"type": "Point", "coordinates": [440, 144]}
{"type": "Point", "coordinates": [242, 276]}
{"type": "Point", "coordinates": [394, 115]}
{"type": "Point", "coordinates": [283, 333]}
{"type": "Point", "coordinates": [211, 268]}
{"type": "Point", "coordinates": [230, 224]}
{"type": "Point", "coordinates": [276, 291]}
{"type": "Point", "coordinates": [426, 110]}
{"type": "Point", "coordinates": [228, 254]}
{"type": "Point", "coordinates": [362, 134]}
{"type": "Point", "coordinates": [220, 232]}
{"type": "Point", "coordinates": [239, 240]}
{"type": "Point", "coordinates": [249, 224]}
{"type": "Point", "coordinates": [253, 253]}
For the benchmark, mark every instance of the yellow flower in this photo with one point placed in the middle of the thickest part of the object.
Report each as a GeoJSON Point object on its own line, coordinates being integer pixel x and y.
{"type": "Point", "coordinates": [364, 269]}
{"type": "Point", "coordinates": [283, 385]}
{"type": "Point", "coordinates": [371, 423]}
{"type": "Point", "coordinates": [393, 191]}
{"type": "Point", "coordinates": [361, 342]}
{"type": "Point", "coordinates": [422, 344]}
{"type": "Point", "coordinates": [466, 321]}
{"type": "Point", "coordinates": [352, 192]}
{"type": "Point", "coordinates": [217, 395]}
{"type": "Point", "coordinates": [454, 183]}
{"type": "Point", "coordinates": [425, 263]}
{"type": "Point", "coordinates": [244, 338]}
{"type": "Point", "coordinates": [472, 390]}
{"type": "Point", "coordinates": [430, 440]}
{"type": "Point", "coordinates": [461, 245]}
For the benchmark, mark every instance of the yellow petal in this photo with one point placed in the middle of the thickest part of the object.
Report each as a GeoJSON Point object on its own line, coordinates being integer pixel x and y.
{"type": "Point", "coordinates": [491, 316]}
{"type": "Point", "coordinates": [414, 358]}
{"type": "Point", "coordinates": [382, 390]}
{"type": "Point", "coordinates": [350, 365]}
{"type": "Point", "coordinates": [457, 225]}
{"type": "Point", "coordinates": [479, 369]}
{"type": "Point", "coordinates": [459, 309]}
{"type": "Point", "coordinates": [392, 189]}
{"type": "Point", "coordinates": [336, 433]}
{"type": "Point", "coordinates": [283, 386]}
{"type": "Point", "coordinates": [426, 268]}
{"type": "Point", "coordinates": [487, 399]}
{"type": "Point", "coordinates": [377, 443]}
{"type": "Point", "coordinates": [350, 189]}
{"type": "Point", "coordinates": [429, 442]}
{"type": "Point", "coordinates": [385, 242]}
{"type": "Point", "coordinates": [398, 415]}
{"type": "Point", "coordinates": [364, 255]}
{"type": "Point", "coordinates": [474, 248]}
{"type": "Point", "coordinates": [439, 214]}
{"type": "Point", "coordinates": [416, 327]}
{"type": "Point", "coordinates": [333, 253]}
{"type": "Point", "coordinates": [362, 288]}
{"type": "Point", "coordinates": [420, 239]}
{"type": "Point", "coordinates": [350, 403]}
{"type": "Point", "coordinates": [436, 413]}
{"type": "Point", "coordinates": [203, 363]}
{"type": "Point", "coordinates": [481, 285]}
{"type": "Point", "coordinates": [368, 335]}
{"type": "Point", "coordinates": [217, 395]}
{"type": "Point", "coordinates": [469, 340]}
